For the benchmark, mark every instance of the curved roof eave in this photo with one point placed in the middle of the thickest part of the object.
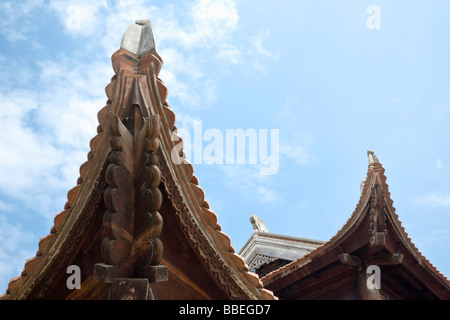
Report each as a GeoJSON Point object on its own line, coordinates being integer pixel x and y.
{"type": "Point", "coordinates": [375, 175]}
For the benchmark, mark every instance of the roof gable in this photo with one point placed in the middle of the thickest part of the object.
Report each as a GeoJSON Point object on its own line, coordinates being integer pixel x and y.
{"type": "Point", "coordinates": [373, 235]}
{"type": "Point", "coordinates": [112, 223]}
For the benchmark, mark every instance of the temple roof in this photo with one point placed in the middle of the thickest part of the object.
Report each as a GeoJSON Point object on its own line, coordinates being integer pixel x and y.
{"type": "Point", "coordinates": [112, 223]}
{"type": "Point", "coordinates": [139, 213]}
{"type": "Point", "coordinates": [265, 247]}
{"type": "Point", "coordinates": [372, 235]}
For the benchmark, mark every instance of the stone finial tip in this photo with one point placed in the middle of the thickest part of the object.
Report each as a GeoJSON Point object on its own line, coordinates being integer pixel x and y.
{"type": "Point", "coordinates": [138, 38]}
{"type": "Point", "coordinates": [372, 157]}
{"type": "Point", "coordinates": [257, 224]}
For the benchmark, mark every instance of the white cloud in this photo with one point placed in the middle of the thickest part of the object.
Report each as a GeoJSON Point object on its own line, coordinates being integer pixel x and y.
{"type": "Point", "coordinates": [250, 182]}
{"type": "Point", "coordinates": [257, 51]}
{"type": "Point", "coordinates": [292, 149]}
{"type": "Point", "coordinates": [179, 32]}
{"type": "Point", "coordinates": [229, 53]}
{"type": "Point", "coordinates": [258, 66]}
{"type": "Point", "coordinates": [181, 90]}
{"type": "Point", "coordinates": [209, 26]}
{"type": "Point", "coordinates": [213, 20]}
{"type": "Point", "coordinates": [267, 194]}
{"type": "Point", "coordinates": [179, 63]}
{"type": "Point", "coordinates": [211, 23]}
{"type": "Point", "coordinates": [257, 43]}
{"type": "Point", "coordinates": [434, 200]}
{"type": "Point", "coordinates": [29, 161]}
{"type": "Point", "coordinates": [439, 164]}
{"type": "Point", "coordinates": [295, 143]}
{"type": "Point", "coordinates": [79, 16]}
{"type": "Point", "coordinates": [14, 22]}
{"type": "Point", "coordinates": [46, 132]}
{"type": "Point", "coordinates": [12, 255]}
{"type": "Point", "coordinates": [53, 126]}
{"type": "Point", "coordinates": [73, 94]}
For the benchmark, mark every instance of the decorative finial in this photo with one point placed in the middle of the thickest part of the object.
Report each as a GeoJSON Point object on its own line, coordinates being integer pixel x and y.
{"type": "Point", "coordinates": [143, 22]}
{"type": "Point", "coordinates": [372, 157]}
{"type": "Point", "coordinates": [257, 224]}
{"type": "Point", "coordinates": [138, 38]}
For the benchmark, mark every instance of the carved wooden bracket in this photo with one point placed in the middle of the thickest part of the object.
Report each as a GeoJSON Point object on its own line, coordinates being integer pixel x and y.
{"type": "Point", "coordinates": [396, 258]}
{"type": "Point", "coordinates": [350, 260]}
{"type": "Point", "coordinates": [364, 291]}
{"type": "Point", "coordinates": [377, 210]}
{"type": "Point", "coordinates": [132, 223]}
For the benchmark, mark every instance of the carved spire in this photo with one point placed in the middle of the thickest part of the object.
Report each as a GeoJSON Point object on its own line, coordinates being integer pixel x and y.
{"type": "Point", "coordinates": [372, 157]}
{"type": "Point", "coordinates": [132, 250]}
{"type": "Point", "coordinates": [377, 227]}
{"type": "Point", "coordinates": [138, 38]}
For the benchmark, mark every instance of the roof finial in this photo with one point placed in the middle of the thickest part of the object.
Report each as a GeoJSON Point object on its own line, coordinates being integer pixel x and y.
{"type": "Point", "coordinates": [372, 157]}
{"type": "Point", "coordinates": [257, 224]}
{"type": "Point", "coordinates": [138, 38]}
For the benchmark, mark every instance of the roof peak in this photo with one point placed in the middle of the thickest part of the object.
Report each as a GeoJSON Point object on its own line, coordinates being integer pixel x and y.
{"type": "Point", "coordinates": [372, 157]}
{"type": "Point", "coordinates": [138, 38]}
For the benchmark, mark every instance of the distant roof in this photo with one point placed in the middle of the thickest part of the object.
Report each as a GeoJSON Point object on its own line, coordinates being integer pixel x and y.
{"type": "Point", "coordinates": [372, 235]}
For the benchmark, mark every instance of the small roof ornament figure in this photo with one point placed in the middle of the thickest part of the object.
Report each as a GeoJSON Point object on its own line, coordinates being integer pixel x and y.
{"type": "Point", "coordinates": [257, 224]}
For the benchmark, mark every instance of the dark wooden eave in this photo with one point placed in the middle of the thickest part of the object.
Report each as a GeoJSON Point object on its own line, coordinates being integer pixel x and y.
{"type": "Point", "coordinates": [373, 235]}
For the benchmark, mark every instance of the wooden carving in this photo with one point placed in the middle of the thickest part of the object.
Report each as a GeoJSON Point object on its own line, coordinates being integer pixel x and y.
{"type": "Point", "coordinates": [377, 228]}
{"type": "Point", "coordinates": [132, 223]}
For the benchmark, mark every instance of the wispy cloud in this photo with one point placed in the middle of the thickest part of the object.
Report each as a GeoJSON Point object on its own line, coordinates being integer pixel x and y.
{"type": "Point", "coordinates": [211, 23]}
{"type": "Point", "coordinates": [294, 150]}
{"type": "Point", "coordinates": [13, 24]}
{"type": "Point", "coordinates": [434, 200]}
{"type": "Point", "coordinates": [439, 164]}
{"type": "Point", "coordinates": [228, 52]}
{"type": "Point", "coordinates": [80, 17]}
{"type": "Point", "coordinates": [250, 182]}
{"type": "Point", "coordinates": [258, 52]}
{"type": "Point", "coordinates": [295, 143]}
{"type": "Point", "coordinates": [12, 255]}
{"type": "Point", "coordinates": [53, 125]}
{"type": "Point", "coordinates": [258, 47]}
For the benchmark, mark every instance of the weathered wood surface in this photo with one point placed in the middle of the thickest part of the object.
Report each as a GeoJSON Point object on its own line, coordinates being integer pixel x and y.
{"type": "Point", "coordinates": [132, 223]}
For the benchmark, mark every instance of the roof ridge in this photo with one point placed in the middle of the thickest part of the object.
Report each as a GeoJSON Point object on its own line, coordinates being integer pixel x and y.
{"type": "Point", "coordinates": [402, 229]}
{"type": "Point", "coordinates": [375, 176]}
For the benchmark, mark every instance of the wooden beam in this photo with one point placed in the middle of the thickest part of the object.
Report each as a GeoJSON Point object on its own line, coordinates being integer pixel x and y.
{"type": "Point", "coordinates": [130, 289]}
{"type": "Point", "coordinates": [365, 292]}
{"type": "Point", "coordinates": [396, 258]}
{"type": "Point", "coordinates": [349, 260]}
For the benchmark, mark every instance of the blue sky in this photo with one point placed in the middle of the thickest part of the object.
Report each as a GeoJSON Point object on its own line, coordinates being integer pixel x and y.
{"type": "Point", "coordinates": [313, 70]}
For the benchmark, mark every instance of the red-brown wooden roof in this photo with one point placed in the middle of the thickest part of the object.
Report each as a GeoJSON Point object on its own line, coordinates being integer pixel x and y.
{"type": "Point", "coordinates": [355, 237]}
{"type": "Point", "coordinates": [78, 224]}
